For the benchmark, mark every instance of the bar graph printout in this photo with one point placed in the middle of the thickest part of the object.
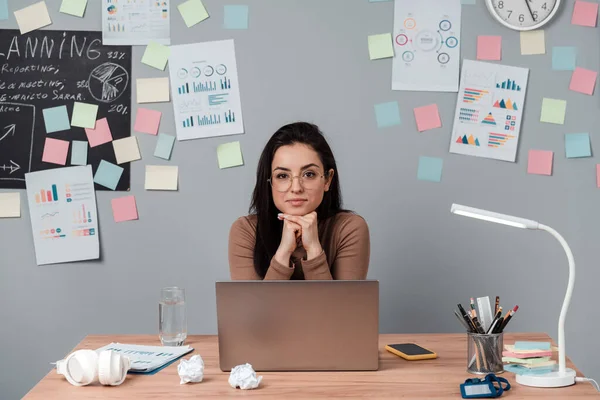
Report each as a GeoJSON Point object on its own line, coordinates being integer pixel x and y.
{"type": "Point", "coordinates": [205, 90]}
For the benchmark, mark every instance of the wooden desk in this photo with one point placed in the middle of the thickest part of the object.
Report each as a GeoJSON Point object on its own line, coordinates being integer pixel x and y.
{"type": "Point", "coordinates": [396, 378]}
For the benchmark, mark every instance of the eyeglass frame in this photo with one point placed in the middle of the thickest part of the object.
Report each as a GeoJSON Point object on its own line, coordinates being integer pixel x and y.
{"type": "Point", "coordinates": [324, 175]}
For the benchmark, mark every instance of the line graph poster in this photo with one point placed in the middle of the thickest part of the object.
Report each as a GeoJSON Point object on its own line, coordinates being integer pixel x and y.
{"type": "Point", "coordinates": [135, 22]}
{"type": "Point", "coordinates": [62, 209]}
{"type": "Point", "coordinates": [205, 90]}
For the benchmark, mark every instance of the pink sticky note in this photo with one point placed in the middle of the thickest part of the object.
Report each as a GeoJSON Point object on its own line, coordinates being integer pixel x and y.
{"type": "Point", "coordinates": [585, 13]}
{"type": "Point", "coordinates": [540, 162]}
{"type": "Point", "coordinates": [583, 81]}
{"type": "Point", "coordinates": [427, 117]}
{"type": "Point", "coordinates": [124, 209]}
{"type": "Point", "coordinates": [598, 175]}
{"type": "Point", "coordinates": [489, 48]}
{"type": "Point", "coordinates": [100, 134]}
{"type": "Point", "coordinates": [147, 121]}
{"type": "Point", "coordinates": [55, 151]}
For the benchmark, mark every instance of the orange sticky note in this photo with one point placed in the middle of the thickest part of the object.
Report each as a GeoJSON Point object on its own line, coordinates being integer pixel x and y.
{"type": "Point", "coordinates": [100, 134]}
{"type": "Point", "coordinates": [598, 175]}
{"type": "Point", "coordinates": [55, 151]}
{"type": "Point", "coordinates": [427, 117]}
{"type": "Point", "coordinates": [147, 121]}
{"type": "Point", "coordinates": [489, 48]}
{"type": "Point", "coordinates": [583, 81]}
{"type": "Point", "coordinates": [540, 162]}
{"type": "Point", "coordinates": [585, 14]}
{"type": "Point", "coordinates": [124, 209]}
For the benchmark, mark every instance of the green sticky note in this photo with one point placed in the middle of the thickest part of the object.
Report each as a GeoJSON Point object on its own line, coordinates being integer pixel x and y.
{"type": "Point", "coordinates": [380, 46]}
{"type": "Point", "coordinates": [156, 55]}
{"type": "Point", "coordinates": [73, 7]}
{"type": "Point", "coordinates": [193, 12]}
{"type": "Point", "coordinates": [430, 169]}
{"type": "Point", "coordinates": [108, 174]}
{"type": "Point", "coordinates": [553, 111]}
{"type": "Point", "coordinates": [578, 145]}
{"type": "Point", "coordinates": [79, 152]}
{"type": "Point", "coordinates": [164, 146]}
{"type": "Point", "coordinates": [230, 155]}
{"type": "Point", "coordinates": [84, 115]}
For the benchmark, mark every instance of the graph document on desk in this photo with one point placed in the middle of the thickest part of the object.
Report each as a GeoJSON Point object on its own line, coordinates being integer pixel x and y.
{"type": "Point", "coordinates": [205, 90]}
{"type": "Point", "coordinates": [426, 45]}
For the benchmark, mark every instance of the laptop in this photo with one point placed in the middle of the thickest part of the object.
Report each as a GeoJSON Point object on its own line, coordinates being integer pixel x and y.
{"type": "Point", "coordinates": [299, 325]}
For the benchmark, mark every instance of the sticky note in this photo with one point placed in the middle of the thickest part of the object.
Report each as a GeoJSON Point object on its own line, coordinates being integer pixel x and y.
{"type": "Point", "coordinates": [430, 169]}
{"type": "Point", "coordinates": [553, 111]}
{"type": "Point", "coordinates": [523, 345]}
{"type": "Point", "coordinates": [564, 58]}
{"type": "Point", "coordinates": [533, 42]}
{"type": "Point", "coordinates": [152, 90]}
{"type": "Point", "coordinates": [73, 7]}
{"type": "Point", "coordinates": [10, 205]}
{"type": "Point", "coordinates": [33, 17]}
{"type": "Point", "coordinates": [577, 145]}
{"type": "Point", "coordinates": [124, 209]}
{"type": "Point", "coordinates": [3, 9]}
{"type": "Point", "coordinates": [147, 121]}
{"type": "Point", "coordinates": [126, 149]}
{"type": "Point", "coordinates": [236, 17]}
{"type": "Point", "coordinates": [378, 1]}
{"type": "Point", "coordinates": [387, 114]}
{"type": "Point", "coordinates": [598, 175]}
{"type": "Point", "coordinates": [230, 155]}
{"type": "Point", "coordinates": [99, 135]}
{"type": "Point", "coordinates": [193, 12]}
{"type": "Point", "coordinates": [583, 81]}
{"type": "Point", "coordinates": [55, 151]}
{"type": "Point", "coordinates": [156, 55]}
{"type": "Point", "coordinates": [489, 48]}
{"type": "Point", "coordinates": [79, 152]}
{"type": "Point", "coordinates": [164, 146]}
{"type": "Point", "coordinates": [380, 46]}
{"type": "Point", "coordinates": [108, 174]}
{"type": "Point", "coordinates": [540, 162]}
{"type": "Point", "coordinates": [161, 177]}
{"type": "Point", "coordinates": [467, 2]}
{"type": "Point", "coordinates": [427, 117]}
{"type": "Point", "coordinates": [56, 119]}
{"type": "Point", "coordinates": [84, 115]}
{"type": "Point", "coordinates": [585, 14]}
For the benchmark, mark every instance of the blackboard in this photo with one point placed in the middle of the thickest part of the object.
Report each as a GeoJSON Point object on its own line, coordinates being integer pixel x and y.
{"type": "Point", "coordinates": [44, 69]}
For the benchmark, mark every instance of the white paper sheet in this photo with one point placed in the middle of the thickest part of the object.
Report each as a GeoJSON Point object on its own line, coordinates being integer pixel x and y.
{"type": "Point", "coordinates": [489, 110]}
{"type": "Point", "coordinates": [426, 45]}
{"type": "Point", "coordinates": [62, 208]}
{"type": "Point", "coordinates": [205, 90]}
{"type": "Point", "coordinates": [136, 22]}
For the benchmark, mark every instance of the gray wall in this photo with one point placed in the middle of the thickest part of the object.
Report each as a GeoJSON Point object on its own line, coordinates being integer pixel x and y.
{"type": "Point", "coordinates": [426, 259]}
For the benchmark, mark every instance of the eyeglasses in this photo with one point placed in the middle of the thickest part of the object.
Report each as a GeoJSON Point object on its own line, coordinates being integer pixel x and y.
{"type": "Point", "coordinates": [282, 181]}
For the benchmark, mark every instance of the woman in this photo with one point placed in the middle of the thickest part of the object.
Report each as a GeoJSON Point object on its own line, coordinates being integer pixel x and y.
{"type": "Point", "coordinates": [297, 228]}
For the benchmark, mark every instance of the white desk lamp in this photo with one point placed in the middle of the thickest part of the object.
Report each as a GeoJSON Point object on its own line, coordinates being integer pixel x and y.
{"type": "Point", "coordinates": [564, 376]}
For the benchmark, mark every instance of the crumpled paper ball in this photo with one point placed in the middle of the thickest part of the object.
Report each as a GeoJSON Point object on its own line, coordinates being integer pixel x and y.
{"type": "Point", "coordinates": [191, 370]}
{"type": "Point", "coordinates": [244, 377]}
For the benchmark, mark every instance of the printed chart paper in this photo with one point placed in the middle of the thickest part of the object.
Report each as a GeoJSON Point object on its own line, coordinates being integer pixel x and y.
{"type": "Point", "coordinates": [135, 22]}
{"type": "Point", "coordinates": [489, 110]}
{"type": "Point", "coordinates": [426, 45]}
{"type": "Point", "coordinates": [62, 207]}
{"type": "Point", "coordinates": [205, 90]}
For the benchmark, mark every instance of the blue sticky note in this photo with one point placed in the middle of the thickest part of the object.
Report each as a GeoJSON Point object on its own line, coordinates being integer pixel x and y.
{"type": "Point", "coordinates": [164, 146]}
{"type": "Point", "coordinates": [532, 345]}
{"type": "Point", "coordinates": [430, 169]}
{"type": "Point", "coordinates": [521, 370]}
{"type": "Point", "coordinates": [387, 114]}
{"type": "Point", "coordinates": [236, 17]}
{"type": "Point", "coordinates": [79, 152]}
{"type": "Point", "coordinates": [3, 9]}
{"type": "Point", "coordinates": [467, 2]}
{"type": "Point", "coordinates": [56, 118]}
{"type": "Point", "coordinates": [564, 58]}
{"type": "Point", "coordinates": [378, 1]}
{"type": "Point", "coordinates": [108, 174]}
{"type": "Point", "coordinates": [578, 145]}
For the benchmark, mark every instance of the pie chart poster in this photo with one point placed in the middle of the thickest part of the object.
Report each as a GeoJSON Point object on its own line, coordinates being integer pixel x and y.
{"type": "Point", "coordinates": [46, 69]}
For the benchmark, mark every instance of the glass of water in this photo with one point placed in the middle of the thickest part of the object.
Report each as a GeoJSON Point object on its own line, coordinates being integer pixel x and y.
{"type": "Point", "coordinates": [172, 319]}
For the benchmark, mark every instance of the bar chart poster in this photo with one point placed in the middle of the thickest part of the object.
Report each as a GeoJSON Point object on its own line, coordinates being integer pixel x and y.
{"type": "Point", "coordinates": [205, 90]}
{"type": "Point", "coordinates": [489, 110]}
{"type": "Point", "coordinates": [62, 209]}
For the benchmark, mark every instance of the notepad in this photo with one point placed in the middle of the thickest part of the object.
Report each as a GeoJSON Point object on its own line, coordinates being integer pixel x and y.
{"type": "Point", "coordinates": [147, 121]}
{"type": "Point", "coordinates": [236, 17]}
{"type": "Point", "coordinates": [564, 58]}
{"type": "Point", "coordinates": [553, 111]}
{"type": "Point", "coordinates": [79, 152]}
{"type": "Point", "coordinates": [229, 155]}
{"type": "Point", "coordinates": [84, 115]}
{"type": "Point", "coordinates": [100, 134]}
{"type": "Point", "coordinates": [540, 162]}
{"type": "Point", "coordinates": [489, 48]}
{"type": "Point", "coordinates": [583, 81]}
{"type": "Point", "coordinates": [427, 117]}
{"type": "Point", "coordinates": [585, 13]}
{"type": "Point", "coordinates": [126, 149]}
{"type": "Point", "coordinates": [33, 17]}
{"type": "Point", "coordinates": [156, 55]}
{"type": "Point", "coordinates": [164, 146]}
{"type": "Point", "coordinates": [55, 151]}
{"type": "Point", "coordinates": [73, 7]}
{"type": "Point", "coordinates": [124, 209]}
{"type": "Point", "coordinates": [533, 42]}
{"type": "Point", "coordinates": [10, 205]}
{"type": "Point", "coordinates": [525, 345]}
{"type": "Point", "coordinates": [577, 145]}
{"type": "Point", "coordinates": [152, 90]}
{"type": "Point", "coordinates": [56, 119]}
{"type": "Point", "coordinates": [387, 114]}
{"type": "Point", "coordinates": [108, 174]}
{"type": "Point", "coordinates": [161, 177]}
{"type": "Point", "coordinates": [192, 12]}
{"type": "Point", "coordinates": [430, 169]}
{"type": "Point", "coordinates": [380, 46]}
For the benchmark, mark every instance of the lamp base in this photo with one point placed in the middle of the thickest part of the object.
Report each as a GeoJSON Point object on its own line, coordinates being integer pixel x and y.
{"type": "Point", "coordinates": [549, 380]}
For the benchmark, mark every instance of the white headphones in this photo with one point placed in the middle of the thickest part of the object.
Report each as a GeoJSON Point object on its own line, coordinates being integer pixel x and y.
{"type": "Point", "coordinates": [84, 367]}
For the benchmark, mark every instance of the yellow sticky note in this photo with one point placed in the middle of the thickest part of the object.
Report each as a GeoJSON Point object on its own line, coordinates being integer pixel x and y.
{"type": "Point", "coordinates": [126, 149]}
{"type": "Point", "coordinates": [10, 205]}
{"type": "Point", "coordinates": [553, 111]}
{"type": "Point", "coordinates": [73, 7]}
{"type": "Point", "coordinates": [380, 46]}
{"type": "Point", "coordinates": [161, 177]}
{"type": "Point", "coordinates": [533, 42]}
{"type": "Point", "coordinates": [230, 155]}
{"type": "Point", "coordinates": [156, 55]}
{"type": "Point", "coordinates": [152, 90]}
{"type": "Point", "coordinates": [193, 12]}
{"type": "Point", "coordinates": [33, 17]}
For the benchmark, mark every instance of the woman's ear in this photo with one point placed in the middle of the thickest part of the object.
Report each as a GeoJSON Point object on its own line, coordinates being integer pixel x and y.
{"type": "Point", "coordinates": [329, 179]}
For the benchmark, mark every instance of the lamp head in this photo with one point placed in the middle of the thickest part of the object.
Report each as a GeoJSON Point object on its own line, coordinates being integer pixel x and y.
{"type": "Point", "coordinates": [485, 215]}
